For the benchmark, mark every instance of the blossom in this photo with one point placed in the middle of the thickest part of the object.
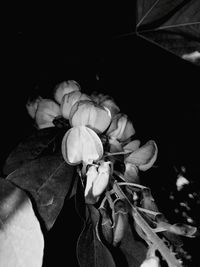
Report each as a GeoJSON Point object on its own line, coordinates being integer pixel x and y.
{"type": "Point", "coordinates": [69, 100]}
{"type": "Point", "coordinates": [121, 128]}
{"type": "Point", "coordinates": [81, 144]}
{"type": "Point", "coordinates": [32, 106]}
{"type": "Point", "coordinates": [89, 114]}
{"type": "Point", "coordinates": [106, 101]}
{"type": "Point", "coordinates": [97, 181]}
{"type": "Point", "coordinates": [120, 219]}
{"type": "Point", "coordinates": [65, 88]}
{"type": "Point", "coordinates": [47, 111]}
{"type": "Point", "coordinates": [141, 158]}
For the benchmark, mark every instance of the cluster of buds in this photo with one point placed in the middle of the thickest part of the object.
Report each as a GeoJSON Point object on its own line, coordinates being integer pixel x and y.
{"type": "Point", "coordinates": [97, 181]}
{"type": "Point", "coordinates": [92, 117]}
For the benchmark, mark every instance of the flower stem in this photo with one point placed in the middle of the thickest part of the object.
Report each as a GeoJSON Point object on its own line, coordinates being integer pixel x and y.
{"type": "Point", "coordinates": [151, 236]}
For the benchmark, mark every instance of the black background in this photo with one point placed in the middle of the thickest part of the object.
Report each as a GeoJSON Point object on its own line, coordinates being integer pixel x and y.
{"type": "Point", "coordinates": [43, 46]}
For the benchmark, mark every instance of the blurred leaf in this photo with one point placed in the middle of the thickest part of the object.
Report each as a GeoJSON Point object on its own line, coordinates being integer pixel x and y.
{"type": "Point", "coordinates": [172, 25]}
{"type": "Point", "coordinates": [178, 229]}
{"type": "Point", "coordinates": [132, 247]}
{"type": "Point", "coordinates": [90, 251]}
{"type": "Point", "coordinates": [31, 148]}
{"type": "Point", "coordinates": [48, 180]}
{"type": "Point", "coordinates": [21, 239]}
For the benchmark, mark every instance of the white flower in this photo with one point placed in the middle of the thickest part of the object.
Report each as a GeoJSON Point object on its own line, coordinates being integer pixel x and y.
{"type": "Point", "coordinates": [97, 181]}
{"type": "Point", "coordinates": [81, 144]}
{"type": "Point", "coordinates": [47, 111]}
{"type": "Point", "coordinates": [90, 114]}
{"type": "Point", "coordinates": [65, 88]}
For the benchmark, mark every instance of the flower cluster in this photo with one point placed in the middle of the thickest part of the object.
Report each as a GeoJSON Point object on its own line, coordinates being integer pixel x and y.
{"type": "Point", "coordinates": [98, 131]}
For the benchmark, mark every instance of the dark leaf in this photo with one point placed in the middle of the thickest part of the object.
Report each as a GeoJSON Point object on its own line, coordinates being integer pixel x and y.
{"type": "Point", "coordinates": [48, 180]}
{"type": "Point", "coordinates": [133, 247]}
{"type": "Point", "coordinates": [21, 239]}
{"type": "Point", "coordinates": [171, 24]}
{"type": "Point", "coordinates": [31, 148]}
{"type": "Point", "coordinates": [90, 251]}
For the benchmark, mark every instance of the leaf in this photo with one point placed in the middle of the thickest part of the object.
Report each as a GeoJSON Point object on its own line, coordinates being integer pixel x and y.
{"type": "Point", "coordinates": [48, 180]}
{"type": "Point", "coordinates": [30, 149]}
{"type": "Point", "coordinates": [132, 247]}
{"type": "Point", "coordinates": [90, 251]}
{"type": "Point", "coordinates": [21, 239]}
{"type": "Point", "coordinates": [172, 25]}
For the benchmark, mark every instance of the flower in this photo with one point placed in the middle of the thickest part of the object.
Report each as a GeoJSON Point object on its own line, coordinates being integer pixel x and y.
{"type": "Point", "coordinates": [47, 111]}
{"type": "Point", "coordinates": [89, 114]}
{"type": "Point", "coordinates": [81, 144]}
{"type": "Point", "coordinates": [121, 128]}
{"type": "Point", "coordinates": [143, 157]}
{"type": "Point", "coordinates": [32, 106]}
{"type": "Point", "coordinates": [97, 181]}
{"type": "Point", "coordinates": [69, 100]}
{"type": "Point", "coordinates": [107, 102]}
{"type": "Point", "coordinates": [65, 88]}
{"type": "Point", "coordinates": [121, 221]}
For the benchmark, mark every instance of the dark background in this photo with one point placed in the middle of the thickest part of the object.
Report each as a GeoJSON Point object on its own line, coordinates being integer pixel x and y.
{"type": "Point", "coordinates": [43, 46]}
{"type": "Point", "coordinates": [158, 90]}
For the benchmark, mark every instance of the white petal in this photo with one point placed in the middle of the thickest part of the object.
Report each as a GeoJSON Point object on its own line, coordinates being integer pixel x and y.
{"type": "Point", "coordinates": [145, 156]}
{"type": "Point", "coordinates": [132, 146]}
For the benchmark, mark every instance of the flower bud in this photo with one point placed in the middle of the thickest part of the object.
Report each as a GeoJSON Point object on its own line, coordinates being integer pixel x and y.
{"type": "Point", "coordinates": [121, 128]}
{"type": "Point", "coordinates": [81, 144]}
{"type": "Point", "coordinates": [143, 157]}
{"type": "Point", "coordinates": [121, 221]}
{"type": "Point", "coordinates": [91, 174]}
{"type": "Point", "coordinates": [46, 112]}
{"type": "Point", "coordinates": [96, 182]}
{"type": "Point", "coordinates": [69, 100]}
{"type": "Point", "coordinates": [32, 106]}
{"type": "Point", "coordinates": [106, 226]}
{"type": "Point", "coordinates": [91, 115]}
{"type": "Point", "coordinates": [102, 179]}
{"type": "Point", "coordinates": [151, 262]}
{"type": "Point", "coordinates": [65, 88]}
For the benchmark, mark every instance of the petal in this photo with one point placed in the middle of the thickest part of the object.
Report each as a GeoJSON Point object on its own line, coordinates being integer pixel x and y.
{"type": "Point", "coordinates": [91, 177]}
{"type": "Point", "coordinates": [87, 113]}
{"type": "Point", "coordinates": [69, 100]}
{"type": "Point", "coordinates": [32, 106]}
{"type": "Point", "coordinates": [115, 146]}
{"type": "Point", "coordinates": [151, 262]}
{"type": "Point", "coordinates": [71, 146]}
{"type": "Point", "coordinates": [132, 146]}
{"type": "Point", "coordinates": [131, 173]}
{"type": "Point", "coordinates": [144, 157]}
{"type": "Point", "coordinates": [65, 88]}
{"type": "Point", "coordinates": [113, 125]}
{"type": "Point", "coordinates": [100, 184]}
{"type": "Point", "coordinates": [117, 126]}
{"type": "Point", "coordinates": [92, 148]}
{"type": "Point", "coordinates": [128, 131]}
{"type": "Point", "coordinates": [110, 104]}
{"type": "Point", "coordinates": [46, 112]}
